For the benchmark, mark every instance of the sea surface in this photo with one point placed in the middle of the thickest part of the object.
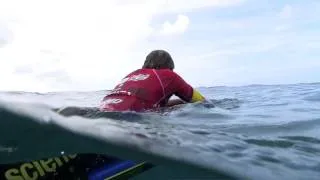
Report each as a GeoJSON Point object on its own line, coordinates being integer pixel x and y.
{"type": "Point", "coordinates": [248, 132]}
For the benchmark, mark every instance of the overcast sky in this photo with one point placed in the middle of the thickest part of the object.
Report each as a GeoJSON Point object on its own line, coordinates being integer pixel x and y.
{"type": "Point", "coordinates": [58, 45]}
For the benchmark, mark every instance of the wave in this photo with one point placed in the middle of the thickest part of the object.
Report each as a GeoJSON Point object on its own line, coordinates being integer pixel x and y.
{"type": "Point", "coordinates": [37, 132]}
{"type": "Point", "coordinates": [226, 138]}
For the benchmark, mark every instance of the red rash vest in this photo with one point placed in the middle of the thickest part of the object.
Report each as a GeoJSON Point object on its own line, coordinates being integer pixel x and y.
{"type": "Point", "coordinates": [145, 89]}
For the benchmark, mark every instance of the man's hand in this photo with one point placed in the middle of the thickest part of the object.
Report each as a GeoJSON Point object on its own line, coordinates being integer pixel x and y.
{"type": "Point", "coordinates": [174, 102]}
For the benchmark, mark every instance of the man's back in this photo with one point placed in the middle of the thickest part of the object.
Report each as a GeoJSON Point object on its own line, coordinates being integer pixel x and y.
{"type": "Point", "coordinates": [145, 89]}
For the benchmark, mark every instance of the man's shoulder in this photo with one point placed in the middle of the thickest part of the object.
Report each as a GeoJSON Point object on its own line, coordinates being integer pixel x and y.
{"type": "Point", "coordinates": [141, 70]}
{"type": "Point", "coordinates": [169, 76]}
{"type": "Point", "coordinates": [137, 71]}
{"type": "Point", "coordinates": [167, 72]}
{"type": "Point", "coordinates": [139, 74]}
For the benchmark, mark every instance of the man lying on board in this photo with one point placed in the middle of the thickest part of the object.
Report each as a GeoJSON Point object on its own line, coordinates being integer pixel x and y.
{"type": "Point", "coordinates": [151, 87]}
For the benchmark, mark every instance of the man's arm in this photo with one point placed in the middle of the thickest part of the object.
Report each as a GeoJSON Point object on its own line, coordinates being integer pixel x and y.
{"type": "Point", "coordinates": [196, 97]}
{"type": "Point", "coordinates": [186, 92]}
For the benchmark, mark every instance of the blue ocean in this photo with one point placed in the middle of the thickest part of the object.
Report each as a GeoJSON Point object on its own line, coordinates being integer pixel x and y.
{"type": "Point", "coordinates": [248, 132]}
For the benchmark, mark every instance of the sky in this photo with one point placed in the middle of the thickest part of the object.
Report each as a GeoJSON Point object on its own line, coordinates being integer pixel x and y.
{"type": "Point", "coordinates": [82, 45]}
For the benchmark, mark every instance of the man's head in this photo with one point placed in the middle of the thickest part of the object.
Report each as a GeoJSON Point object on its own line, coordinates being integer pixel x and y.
{"type": "Point", "coordinates": [158, 59]}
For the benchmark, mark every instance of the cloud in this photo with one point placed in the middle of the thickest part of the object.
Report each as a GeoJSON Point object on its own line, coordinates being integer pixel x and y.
{"type": "Point", "coordinates": [282, 27]}
{"type": "Point", "coordinates": [262, 45]}
{"type": "Point", "coordinates": [286, 12]}
{"type": "Point", "coordinates": [179, 6]}
{"type": "Point", "coordinates": [24, 69]}
{"type": "Point", "coordinates": [179, 26]}
{"type": "Point", "coordinates": [94, 42]}
{"type": "Point", "coordinates": [90, 42]}
{"type": "Point", "coordinates": [4, 35]}
{"type": "Point", "coordinates": [60, 76]}
{"type": "Point", "coordinates": [187, 6]}
{"type": "Point", "coordinates": [2, 42]}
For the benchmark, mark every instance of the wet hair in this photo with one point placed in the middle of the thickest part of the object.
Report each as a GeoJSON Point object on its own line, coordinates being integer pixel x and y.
{"type": "Point", "coordinates": [158, 59]}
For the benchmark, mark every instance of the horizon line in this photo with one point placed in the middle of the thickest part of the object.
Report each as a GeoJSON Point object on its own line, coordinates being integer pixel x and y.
{"type": "Point", "coordinates": [248, 85]}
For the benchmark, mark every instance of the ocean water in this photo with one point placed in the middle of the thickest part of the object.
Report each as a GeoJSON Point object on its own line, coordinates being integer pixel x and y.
{"type": "Point", "coordinates": [252, 132]}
